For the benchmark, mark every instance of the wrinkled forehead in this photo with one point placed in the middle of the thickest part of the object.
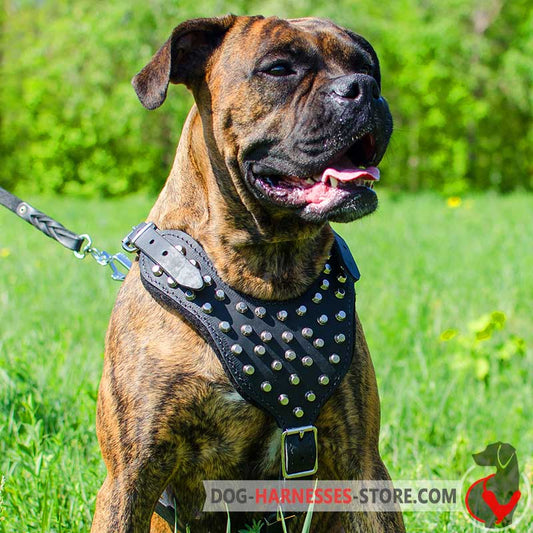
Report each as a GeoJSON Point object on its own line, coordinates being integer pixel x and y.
{"type": "Point", "coordinates": [256, 37]}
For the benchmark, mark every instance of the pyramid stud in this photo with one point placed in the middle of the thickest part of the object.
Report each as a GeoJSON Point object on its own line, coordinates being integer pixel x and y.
{"type": "Point", "coordinates": [236, 349]}
{"type": "Point", "coordinates": [317, 298]}
{"type": "Point", "coordinates": [334, 359]}
{"type": "Point", "coordinates": [307, 333]}
{"type": "Point", "coordinates": [189, 295]}
{"type": "Point", "coordinates": [207, 308]}
{"type": "Point", "coordinates": [266, 386]}
{"type": "Point", "coordinates": [341, 278]}
{"type": "Point", "coordinates": [340, 316]}
{"type": "Point", "coordinates": [259, 350]}
{"type": "Point", "coordinates": [246, 330]}
{"type": "Point", "coordinates": [249, 370]}
{"type": "Point", "coordinates": [310, 396]}
{"type": "Point", "coordinates": [224, 326]}
{"type": "Point", "coordinates": [325, 285]}
{"type": "Point", "coordinates": [323, 379]}
{"type": "Point", "coordinates": [318, 343]}
{"type": "Point", "coordinates": [241, 307]}
{"type": "Point", "coordinates": [208, 280]}
{"type": "Point", "coordinates": [290, 355]}
{"type": "Point", "coordinates": [294, 379]}
{"type": "Point", "coordinates": [340, 293]}
{"type": "Point", "coordinates": [322, 319]}
{"type": "Point", "coordinates": [283, 399]}
{"type": "Point", "coordinates": [298, 412]}
{"type": "Point", "coordinates": [180, 249]}
{"type": "Point", "coordinates": [260, 312]}
{"type": "Point", "coordinates": [307, 361]}
{"type": "Point", "coordinates": [276, 365]}
{"type": "Point", "coordinates": [266, 336]}
{"type": "Point", "coordinates": [301, 310]}
{"type": "Point", "coordinates": [287, 336]}
{"type": "Point", "coordinates": [327, 268]}
{"type": "Point", "coordinates": [282, 315]}
{"type": "Point", "coordinates": [172, 283]}
{"type": "Point", "coordinates": [157, 271]}
{"type": "Point", "coordinates": [340, 338]}
{"type": "Point", "coordinates": [220, 294]}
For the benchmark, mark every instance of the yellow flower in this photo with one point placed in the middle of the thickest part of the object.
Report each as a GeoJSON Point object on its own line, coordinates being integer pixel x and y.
{"type": "Point", "coordinates": [4, 252]}
{"type": "Point", "coordinates": [453, 202]}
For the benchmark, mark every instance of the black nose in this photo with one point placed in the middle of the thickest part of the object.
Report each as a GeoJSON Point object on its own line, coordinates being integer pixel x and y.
{"type": "Point", "coordinates": [355, 87]}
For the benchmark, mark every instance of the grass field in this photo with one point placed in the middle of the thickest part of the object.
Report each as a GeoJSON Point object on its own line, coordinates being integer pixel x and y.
{"type": "Point", "coordinates": [452, 377]}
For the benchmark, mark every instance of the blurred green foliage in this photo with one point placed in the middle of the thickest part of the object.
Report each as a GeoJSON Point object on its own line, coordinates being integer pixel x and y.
{"type": "Point", "coordinates": [457, 73]}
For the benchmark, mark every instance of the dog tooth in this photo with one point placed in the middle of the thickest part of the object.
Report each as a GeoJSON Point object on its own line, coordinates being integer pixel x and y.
{"type": "Point", "coordinates": [334, 182]}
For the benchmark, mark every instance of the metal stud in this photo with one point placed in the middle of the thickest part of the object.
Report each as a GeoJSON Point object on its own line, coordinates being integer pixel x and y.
{"type": "Point", "coordinates": [340, 316]}
{"type": "Point", "coordinates": [224, 326]}
{"type": "Point", "coordinates": [301, 310]}
{"type": "Point", "coordinates": [282, 315]}
{"type": "Point", "coordinates": [260, 312]}
{"type": "Point", "coordinates": [290, 355]}
{"type": "Point", "coordinates": [246, 330]}
{"type": "Point", "coordinates": [307, 333]}
{"type": "Point", "coordinates": [310, 396]}
{"type": "Point", "coordinates": [220, 294]}
{"type": "Point", "coordinates": [340, 338]}
{"type": "Point", "coordinates": [340, 293]}
{"type": "Point", "coordinates": [325, 284]}
{"type": "Point", "coordinates": [276, 365]}
{"type": "Point", "coordinates": [241, 307]}
{"type": "Point", "coordinates": [180, 248]}
{"type": "Point", "coordinates": [334, 359]}
{"type": "Point", "coordinates": [298, 412]}
{"type": "Point", "coordinates": [157, 270]}
{"type": "Point", "coordinates": [323, 379]}
{"type": "Point", "coordinates": [266, 386]}
{"type": "Point", "coordinates": [248, 369]}
{"type": "Point", "coordinates": [208, 280]}
{"type": "Point", "coordinates": [317, 298]}
{"type": "Point", "coordinates": [207, 308]}
{"type": "Point", "coordinates": [327, 268]}
{"type": "Point", "coordinates": [287, 336]}
{"type": "Point", "coordinates": [189, 295]}
{"type": "Point", "coordinates": [294, 379]}
{"type": "Point", "coordinates": [318, 343]}
{"type": "Point", "coordinates": [193, 262]}
{"type": "Point", "coordinates": [322, 319]}
{"type": "Point", "coordinates": [341, 278]}
{"type": "Point", "coordinates": [283, 399]}
{"type": "Point", "coordinates": [266, 336]}
{"type": "Point", "coordinates": [307, 361]}
{"type": "Point", "coordinates": [259, 350]}
{"type": "Point", "coordinates": [236, 349]}
{"type": "Point", "coordinates": [172, 283]}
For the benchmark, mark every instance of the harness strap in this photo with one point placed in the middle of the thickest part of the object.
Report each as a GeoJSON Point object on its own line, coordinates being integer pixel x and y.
{"type": "Point", "coordinates": [50, 227]}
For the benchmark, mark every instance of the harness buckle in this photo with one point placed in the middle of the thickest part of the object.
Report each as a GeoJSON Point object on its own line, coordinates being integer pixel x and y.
{"type": "Point", "coordinates": [128, 242]}
{"type": "Point", "coordinates": [294, 445]}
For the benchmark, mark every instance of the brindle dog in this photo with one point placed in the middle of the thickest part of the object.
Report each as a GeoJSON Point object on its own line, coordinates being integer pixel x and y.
{"type": "Point", "coordinates": [277, 102]}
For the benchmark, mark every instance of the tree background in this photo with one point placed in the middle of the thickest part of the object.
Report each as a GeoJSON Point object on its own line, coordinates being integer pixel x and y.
{"type": "Point", "coordinates": [457, 74]}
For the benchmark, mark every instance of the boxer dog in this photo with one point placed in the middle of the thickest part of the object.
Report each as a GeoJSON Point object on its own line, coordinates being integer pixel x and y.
{"type": "Point", "coordinates": [287, 129]}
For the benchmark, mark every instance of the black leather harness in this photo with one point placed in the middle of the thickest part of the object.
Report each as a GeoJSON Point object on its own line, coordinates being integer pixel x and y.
{"type": "Point", "coordinates": [285, 357]}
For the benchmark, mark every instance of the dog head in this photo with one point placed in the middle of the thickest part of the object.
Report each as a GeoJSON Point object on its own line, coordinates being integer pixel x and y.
{"type": "Point", "coordinates": [292, 111]}
{"type": "Point", "coordinates": [498, 454]}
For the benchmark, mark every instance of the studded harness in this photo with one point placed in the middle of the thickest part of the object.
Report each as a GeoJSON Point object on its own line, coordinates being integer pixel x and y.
{"type": "Point", "coordinates": [285, 357]}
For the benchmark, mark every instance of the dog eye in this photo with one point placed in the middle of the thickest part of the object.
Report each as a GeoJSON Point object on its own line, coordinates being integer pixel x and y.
{"type": "Point", "coordinates": [365, 69]}
{"type": "Point", "coordinates": [279, 69]}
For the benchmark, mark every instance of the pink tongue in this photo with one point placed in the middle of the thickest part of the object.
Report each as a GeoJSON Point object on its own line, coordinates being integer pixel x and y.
{"type": "Point", "coordinates": [345, 171]}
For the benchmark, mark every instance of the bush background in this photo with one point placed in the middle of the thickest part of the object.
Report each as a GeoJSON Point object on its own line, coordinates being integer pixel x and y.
{"type": "Point", "coordinates": [457, 74]}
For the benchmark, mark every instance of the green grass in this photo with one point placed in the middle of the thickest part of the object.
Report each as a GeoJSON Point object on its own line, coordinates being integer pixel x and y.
{"type": "Point", "coordinates": [426, 268]}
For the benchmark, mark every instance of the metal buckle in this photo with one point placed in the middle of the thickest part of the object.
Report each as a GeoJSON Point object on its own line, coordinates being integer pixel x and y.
{"type": "Point", "coordinates": [128, 242]}
{"type": "Point", "coordinates": [301, 431]}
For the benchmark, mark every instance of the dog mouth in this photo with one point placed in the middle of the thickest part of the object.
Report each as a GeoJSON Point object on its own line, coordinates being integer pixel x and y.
{"type": "Point", "coordinates": [350, 174]}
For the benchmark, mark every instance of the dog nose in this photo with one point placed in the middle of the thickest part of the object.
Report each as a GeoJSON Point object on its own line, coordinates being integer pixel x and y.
{"type": "Point", "coordinates": [355, 87]}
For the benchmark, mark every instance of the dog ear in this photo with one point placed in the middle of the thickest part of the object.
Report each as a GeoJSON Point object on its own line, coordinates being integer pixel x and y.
{"type": "Point", "coordinates": [181, 59]}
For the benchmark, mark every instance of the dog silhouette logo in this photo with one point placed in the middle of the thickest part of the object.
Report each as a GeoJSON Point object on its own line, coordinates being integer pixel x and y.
{"type": "Point", "coordinates": [492, 500]}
